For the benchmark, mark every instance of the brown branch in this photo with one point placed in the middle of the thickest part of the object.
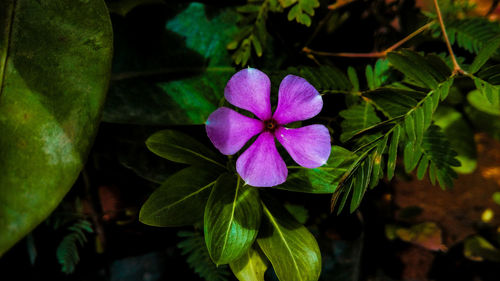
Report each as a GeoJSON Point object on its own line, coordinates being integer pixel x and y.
{"type": "Point", "coordinates": [372, 54]}
{"type": "Point", "coordinates": [456, 68]}
{"type": "Point", "coordinates": [339, 4]}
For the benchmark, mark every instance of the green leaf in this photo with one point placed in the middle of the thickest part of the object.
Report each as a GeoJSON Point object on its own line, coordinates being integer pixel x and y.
{"type": "Point", "coordinates": [477, 248]}
{"type": "Point", "coordinates": [393, 152]}
{"type": "Point", "coordinates": [193, 247]}
{"type": "Point", "coordinates": [394, 102]}
{"type": "Point", "coordinates": [406, 62]}
{"type": "Point", "coordinates": [377, 161]}
{"type": "Point", "coordinates": [353, 77]}
{"type": "Point", "coordinates": [357, 118]}
{"type": "Point", "coordinates": [369, 77]}
{"type": "Point", "coordinates": [361, 183]}
{"type": "Point", "coordinates": [471, 33]}
{"type": "Point", "coordinates": [479, 101]}
{"type": "Point", "coordinates": [323, 179]}
{"type": "Point", "coordinates": [301, 10]}
{"type": "Point", "coordinates": [55, 59]}
{"type": "Point", "coordinates": [251, 266]}
{"type": "Point", "coordinates": [299, 212]}
{"type": "Point", "coordinates": [485, 54]}
{"type": "Point", "coordinates": [430, 72]}
{"type": "Point", "coordinates": [67, 251]}
{"type": "Point", "coordinates": [326, 79]}
{"type": "Point", "coordinates": [289, 246]}
{"type": "Point", "coordinates": [175, 73]}
{"type": "Point", "coordinates": [489, 91]}
{"type": "Point", "coordinates": [178, 147]}
{"type": "Point", "coordinates": [438, 150]}
{"type": "Point", "coordinates": [232, 219]}
{"type": "Point", "coordinates": [181, 199]}
{"type": "Point", "coordinates": [460, 135]}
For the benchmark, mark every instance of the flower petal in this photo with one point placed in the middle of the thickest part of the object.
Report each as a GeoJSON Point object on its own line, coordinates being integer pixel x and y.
{"type": "Point", "coordinates": [229, 131]}
{"type": "Point", "coordinates": [250, 89]}
{"type": "Point", "coordinates": [297, 100]}
{"type": "Point", "coordinates": [309, 146]}
{"type": "Point", "coordinates": [261, 165]}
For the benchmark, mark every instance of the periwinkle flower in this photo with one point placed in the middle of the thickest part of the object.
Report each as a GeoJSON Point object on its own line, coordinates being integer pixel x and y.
{"type": "Point", "coordinates": [261, 165]}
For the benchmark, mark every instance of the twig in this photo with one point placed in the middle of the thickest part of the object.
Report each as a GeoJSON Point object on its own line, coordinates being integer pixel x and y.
{"type": "Point", "coordinates": [456, 68]}
{"type": "Point", "coordinates": [372, 54]}
{"type": "Point", "coordinates": [339, 4]}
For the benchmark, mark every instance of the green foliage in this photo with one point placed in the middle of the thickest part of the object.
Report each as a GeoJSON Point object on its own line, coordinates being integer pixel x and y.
{"type": "Point", "coordinates": [178, 147]}
{"type": "Point", "coordinates": [480, 102]}
{"type": "Point", "coordinates": [486, 52]}
{"type": "Point", "coordinates": [323, 179]}
{"type": "Point", "coordinates": [470, 33]}
{"type": "Point", "coordinates": [178, 74]}
{"type": "Point", "coordinates": [477, 248]}
{"type": "Point", "coordinates": [409, 114]}
{"type": "Point", "coordinates": [193, 247]}
{"type": "Point", "coordinates": [55, 60]}
{"type": "Point", "coordinates": [289, 246]}
{"type": "Point", "coordinates": [301, 11]}
{"type": "Point", "coordinates": [181, 199]}
{"type": "Point", "coordinates": [326, 79]}
{"type": "Point", "coordinates": [460, 135]}
{"type": "Point", "coordinates": [251, 266]}
{"type": "Point", "coordinates": [254, 35]}
{"type": "Point", "coordinates": [357, 118]}
{"type": "Point", "coordinates": [232, 219]}
{"type": "Point", "coordinates": [487, 82]}
{"type": "Point", "coordinates": [67, 251]}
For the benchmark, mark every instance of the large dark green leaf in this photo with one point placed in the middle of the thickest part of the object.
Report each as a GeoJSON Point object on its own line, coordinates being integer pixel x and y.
{"type": "Point", "coordinates": [232, 219]}
{"type": "Point", "coordinates": [323, 179]}
{"type": "Point", "coordinates": [176, 72]}
{"type": "Point", "coordinates": [291, 248]}
{"type": "Point", "coordinates": [181, 199]}
{"type": "Point", "coordinates": [55, 59]}
{"type": "Point", "coordinates": [178, 147]}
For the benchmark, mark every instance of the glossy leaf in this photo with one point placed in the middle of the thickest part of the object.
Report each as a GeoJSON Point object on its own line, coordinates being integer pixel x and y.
{"type": "Point", "coordinates": [251, 266]}
{"type": "Point", "coordinates": [178, 147]}
{"type": "Point", "coordinates": [55, 59]}
{"type": "Point", "coordinates": [181, 199]}
{"type": "Point", "coordinates": [289, 246]}
{"type": "Point", "coordinates": [323, 179]}
{"type": "Point", "coordinates": [232, 219]}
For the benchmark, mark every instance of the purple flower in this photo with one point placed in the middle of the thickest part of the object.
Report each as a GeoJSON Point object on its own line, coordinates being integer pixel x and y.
{"type": "Point", "coordinates": [261, 165]}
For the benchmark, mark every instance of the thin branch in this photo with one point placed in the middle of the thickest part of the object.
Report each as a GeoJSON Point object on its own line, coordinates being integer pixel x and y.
{"type": "Point", "coordinates": [456, 68]}
{"type": "Point", "coordinates": [407, 38]}
{"type": "Point", "coordinates": [372, 54]}
{"type": "Point", "coordinates": [339, 4]}
{"type": "Point", "coordinates": [346, 55]}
